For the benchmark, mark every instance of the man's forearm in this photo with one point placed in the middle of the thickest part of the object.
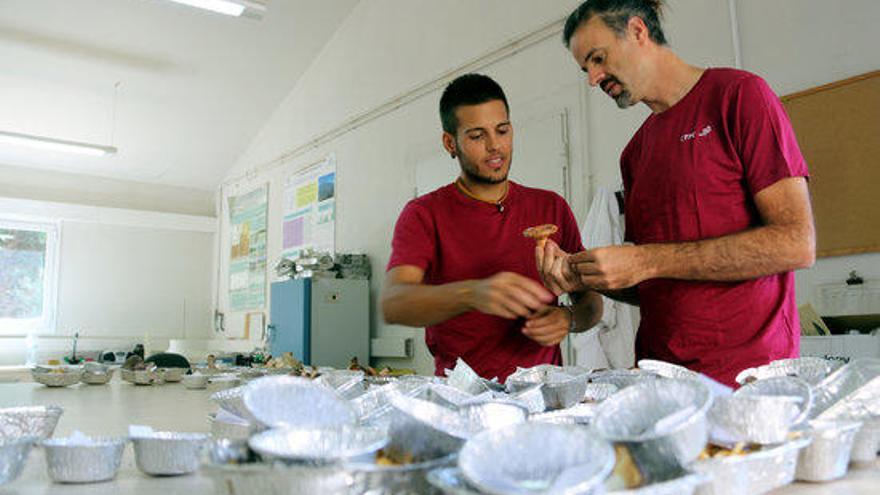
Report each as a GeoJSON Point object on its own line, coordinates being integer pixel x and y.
{"type": "Point", "coordinates": [420, 305]}
{"type": "Point", "coordinates": [746, 255]}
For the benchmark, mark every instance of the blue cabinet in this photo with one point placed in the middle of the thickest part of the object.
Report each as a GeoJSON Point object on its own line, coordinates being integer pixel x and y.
{"type": "Point", "coordinates": [323, 322]}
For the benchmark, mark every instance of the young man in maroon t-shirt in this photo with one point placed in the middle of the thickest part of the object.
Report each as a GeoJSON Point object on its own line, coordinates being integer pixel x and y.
{"type": "Point", "coordinates": [716, 200]}
{"type": "Point", "coordinates": [460, 265]}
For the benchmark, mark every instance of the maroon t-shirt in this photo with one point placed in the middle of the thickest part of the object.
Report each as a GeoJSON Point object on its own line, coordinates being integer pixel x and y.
{"type": "Point", "coordinates": [452, 238]}
{"type": "Point", "coordinates": [691, 173]}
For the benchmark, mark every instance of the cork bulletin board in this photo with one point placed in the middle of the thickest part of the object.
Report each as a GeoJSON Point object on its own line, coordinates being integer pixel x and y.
{"type": "Point", "coordinates": [838, 129]}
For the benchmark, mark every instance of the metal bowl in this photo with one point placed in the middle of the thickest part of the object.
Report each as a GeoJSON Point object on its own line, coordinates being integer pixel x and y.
{"type": "Point", "coordinates": [757, 472]}
{"type": "Point", "coordinates": [195, 381]}
{"type": "Point", "coordinates": [29, 421]}
{"type": "Point", "coordinates": [63, 378]}
{"type": "Point", "coordinates": [74, 461]}
{"type": "Point", "coordinates": [662, 422]}
{"type": "Point", "coordinates": [319, 445]}
{"type": "Point", "coordinates": [13, 455]}
{"type": "Point", "coordinates": [827, 456]}
{"type": "Point", "coordinates": [287, 401]}
{"type": "Point", "coordinates": [761, 419]}
{"type": "Point", "coordinates": [168, 453]}
{"type": "Point", "coordinates": [536, 458]}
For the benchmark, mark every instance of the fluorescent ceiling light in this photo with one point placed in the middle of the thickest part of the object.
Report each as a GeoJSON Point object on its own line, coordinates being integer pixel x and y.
{"type": "Point", "coordinates": [229, 7]}
{"type": "Point", "coordinates": [52, 144]}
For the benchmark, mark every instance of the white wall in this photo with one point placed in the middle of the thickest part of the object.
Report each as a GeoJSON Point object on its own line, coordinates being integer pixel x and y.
{"type": "Point", "coordinates": [388, 47]}
{"type": "Point", "coordinates": [122, 274]}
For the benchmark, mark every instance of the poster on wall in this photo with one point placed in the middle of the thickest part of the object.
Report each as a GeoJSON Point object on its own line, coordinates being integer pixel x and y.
{"type": "Point", "coordinates": [247, 256]}
{"type": "Point", "coordinates": [309, 215]}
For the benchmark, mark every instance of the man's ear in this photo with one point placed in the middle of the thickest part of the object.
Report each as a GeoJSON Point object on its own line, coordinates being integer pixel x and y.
{"type": "Point", "coordinates": [449, 143]}
{"type": "Point", "coordinates": [637, 29]}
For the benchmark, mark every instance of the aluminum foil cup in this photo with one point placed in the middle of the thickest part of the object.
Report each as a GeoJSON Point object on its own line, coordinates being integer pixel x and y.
{"type": "Point", "coordinates": [77, 462]}
{"type": "Point", "coordinates": [580, 414]}
{"type": "Point", "coordinates": [559, 388]}
{"type": "Point", "coordinates": [374, 407]}
{"type": "Point", "coordinates": [348, 384]}
{"type": "Point", "coordinates": [168, 453]}
{"type": "Point", "coordinates": [686, 484]}
{"type": "Point", "coordinates": [29, 421]}
{"type": "Point", "coordinates": [287, 401]}
{"type": "Point", "coordinates": [755, 473]}
{"type": "Point", "coordinates": [536, 458]}
{"type": "Point", "coordinates": [662, 422]}
{"type": "Point", "coordinates": [789, 386]}
{"type": "Point", "coordinates": [597, 392]}
{"type": "Point", "coordinates": [810, 369]}
{"type": "Point", "coordinates": [230, 427]}
{"type": "Point", "coordinates": [172, 375]}
{"type": "Point", "coordinates": [532, 398]}
{"type": "Point", "coordinates": [490, 415]}
{"type": "Point", "coordinates": [867, 442]}
{"type": "Point", "coordinates": [65, 378]}
{"type": "Point", "coordinates": [622, 378]}
{"type": "Point", "coordinates": [853, 391]}
{"type": "Point", "coordinates": [761, 419]}
{"type": "Point", "coordinates": [13, 455]}
{"type": "Point", "coordinates": [464, 378]}
{"type": "Point", "coordinates": [91, 377]}
{"type": "Point", "coordinates": [827, 457]}
{"type": "Point", "coordinates": [666, 370]}
{"type": "Point", "coordinates": [446, 395]}
{"type": "Point", "coordinates": [421, 430]}
{"type": "Point", "coordinates": [319, 445]}
{"type": "Point", "coordinates": [195, 381]}
{"type": "Point", "coordinates": [407, 479]}
{"type": "Point", "coordinates": [139, 377]}
{"type": "Point", "coordinates": [220, 382]}
{"type": "Point", "coordinates": [231, 400]}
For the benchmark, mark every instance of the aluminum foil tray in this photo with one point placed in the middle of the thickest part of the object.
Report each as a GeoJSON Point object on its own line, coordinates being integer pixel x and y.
{"type": "Point", "coordinates": [761, 419]}
{"type": "Point", "coordinates": [464, 378]}
{"type": "Point", "coordinates": [231, 400]}
{"type": "Point", "coordinates": [810, 369]}
{"type": "Point", "coordinates": [853, 391]}
{"type": "Point", "coordinates": [172, 375]}
{"type": "Point", "coordinates": [827, 457]}
{"type": "Point", "coordinates": [537, 458]}
{"type": "Point", "coordinates": [348, 384]}
{"type": "Point", "coordinates": [580, 414]}
{"type": "Point", "coordinates": [666, 370]}
{"type": "Point", "coordinates": [559, 388]}
{"type": "Point", "coordinates": [753, 474]}
{"type": "Point", "coordinates": [662, 422]}
{"type": "Point", "coordinates": [287, 401]}
{"type": "Point", "coordinates": [622, 378]}
{"type": "Point", "coordinates": [65, 378]}
{"type": "Point", "coordinates": [409, 479]}
{"type": "Point", "coordinates": [230, 427]}
{"type": "Point", "coordinates": [790, 386]}
{"type": "Point", "coordinates": [169, 453]}
{"type": "Point", "coordinates": [13, 455]}
{"type": "Point", "coordinates": [597, 392]}
{"type": "Point", "coordinates": [374, 407]}
{"type": "Point", "coordinates": [90, 377]}
{"type": "Point", "coordinates": [29, 421]}
{"type": "Point", "coordinates": [196, 381]}
{"type": "Point", "coordinates": [70, 460]}
{"type": "Point", "coordinates": [867, 442]}
{"type": "Point", "coordinates": [319, 445]}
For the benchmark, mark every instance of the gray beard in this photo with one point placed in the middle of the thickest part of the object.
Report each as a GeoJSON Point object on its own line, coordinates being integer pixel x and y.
{"type": "Point", "coordinates": [623, 100]}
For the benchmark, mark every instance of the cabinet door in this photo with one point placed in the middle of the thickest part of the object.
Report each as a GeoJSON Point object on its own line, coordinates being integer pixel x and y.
{"type": "Point", "coordinates": [290, 317]}
{"type": "Point", "coordinates": [340, 322]}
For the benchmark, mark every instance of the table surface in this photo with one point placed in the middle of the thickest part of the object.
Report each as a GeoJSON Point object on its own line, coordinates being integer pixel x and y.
{"type": "Point", "coordinates": [108, 410]}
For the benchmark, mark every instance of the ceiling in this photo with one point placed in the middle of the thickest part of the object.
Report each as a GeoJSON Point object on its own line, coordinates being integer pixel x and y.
{"type": "Point", "coordinates": [181, 92]}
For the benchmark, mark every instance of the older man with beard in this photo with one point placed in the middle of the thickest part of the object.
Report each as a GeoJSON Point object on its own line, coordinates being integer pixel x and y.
{"type": "Point", "coordinates": [460, 265]}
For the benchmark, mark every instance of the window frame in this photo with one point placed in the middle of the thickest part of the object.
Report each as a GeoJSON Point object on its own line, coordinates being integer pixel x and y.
{"type": "Point", "coordinates": [45, 324]}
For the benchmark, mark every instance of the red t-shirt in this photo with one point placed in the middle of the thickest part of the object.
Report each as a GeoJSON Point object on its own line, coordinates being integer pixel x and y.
{"type": "Point", "coordinates": [453, 238]}
{"type": "Point", "coordinates": [691, 173]}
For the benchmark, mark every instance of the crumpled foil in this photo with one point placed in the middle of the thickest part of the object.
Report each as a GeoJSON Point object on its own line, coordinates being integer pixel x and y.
{"type": "Point", "coordinates": [288, 401]}
{"type": "Point", "coordinates": [754, 473]}
{"type": "Point", "coordinates": [536, 458]}
{"type": "Point", "coordinates": [169, 453]}
{"type": "Point", "coordinates": [790, 386]}
{"type": "Point", "coordinates": [232, 400]}
{"type": "Point", "coordinates": [319, 445]}
{"type": "Point", "coordinates": [761, 419]}
{"type": "Point", "coordinates": [666, 370]}
{"type": "Point", "coordinates": [29, 421]}
{"type": "Point", "coordinates": [810, 369]}
{"type": "Point", "coordinates": [662, 422]}
{"type": "Point", "coordinates": [853, 391]}
{"type": "Point", "coordinates": [13, 455]}
{"type": "Point", "coordinates": [71, 461]}
{"type": "Point", "coordinates": [827, 457]}
{"type": "Point", "coordinates": [532, 398]}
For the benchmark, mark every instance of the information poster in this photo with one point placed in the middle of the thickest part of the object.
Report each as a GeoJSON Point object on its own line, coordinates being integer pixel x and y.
{"type": "Point", "coordinates": [247, 260]}
{"type": "Point", "coordinates": [310, 209]}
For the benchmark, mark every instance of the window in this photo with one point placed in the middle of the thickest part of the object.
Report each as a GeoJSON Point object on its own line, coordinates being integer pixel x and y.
{"type": "Point", "coordinates": [28, 276]}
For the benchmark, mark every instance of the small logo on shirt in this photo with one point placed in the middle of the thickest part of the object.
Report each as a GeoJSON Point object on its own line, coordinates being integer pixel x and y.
{"type": "Point", "coordinates": [705, 131]}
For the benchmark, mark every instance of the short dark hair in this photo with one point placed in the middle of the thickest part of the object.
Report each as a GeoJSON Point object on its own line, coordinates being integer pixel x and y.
{"type": "Point", "coordinates": [469, 89]}
{"type": "Point", "coordinates": [616, 14]}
